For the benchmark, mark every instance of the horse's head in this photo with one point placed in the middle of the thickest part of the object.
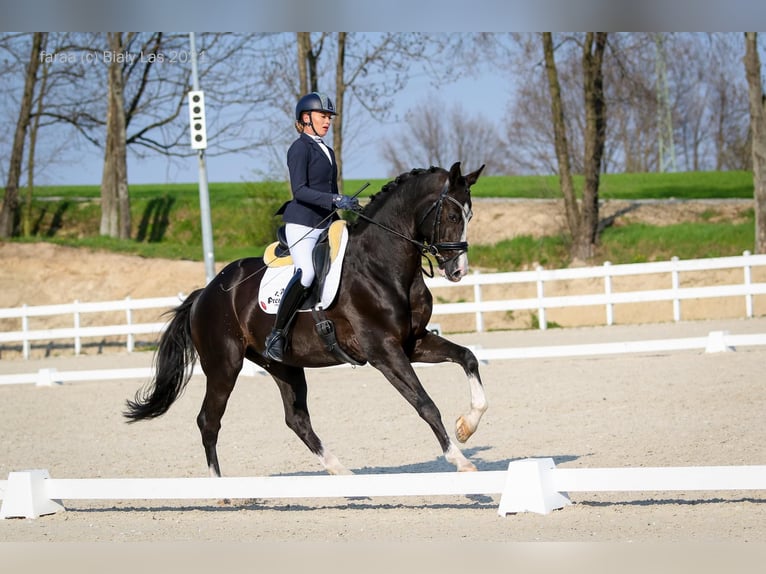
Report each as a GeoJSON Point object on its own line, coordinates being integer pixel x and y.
{"type": "Point", "coordinates": [445, 223]}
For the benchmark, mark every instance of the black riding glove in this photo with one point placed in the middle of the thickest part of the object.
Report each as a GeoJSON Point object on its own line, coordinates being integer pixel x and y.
{"type": "Point", "coordinates": [346, 202]}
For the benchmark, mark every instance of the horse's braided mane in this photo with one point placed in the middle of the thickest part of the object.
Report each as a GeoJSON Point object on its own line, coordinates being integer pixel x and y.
{"type": "Point", "coordinates": [397, 183]}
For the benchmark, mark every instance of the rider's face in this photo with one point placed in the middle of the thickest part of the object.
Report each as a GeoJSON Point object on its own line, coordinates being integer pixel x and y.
{"type": "Point", "coordinates": [321, 122]}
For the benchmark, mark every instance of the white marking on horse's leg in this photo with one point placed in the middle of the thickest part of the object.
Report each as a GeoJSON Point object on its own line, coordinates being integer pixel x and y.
{"type": "Point", "coordinates": [211, 470]}
{"type": "Point", "coordinates": [467, 424]}
{"type": "Point", "coordinates": [331, 463]}
{"type": "Point", "coordinates": [456, 457]}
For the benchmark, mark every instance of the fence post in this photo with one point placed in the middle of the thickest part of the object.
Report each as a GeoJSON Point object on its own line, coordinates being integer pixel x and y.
{"type": "Point", "coordinates": [477, 299]}
{"type": "Point", "coordinates": [25, 329]}
{"type": "Point", "coordinates": [77, 339]}
{"type": "Point", "coordinates": [608, 293]}
{"type": "Point", "coordinates": [676, 282]}
{"type": "Point", "coordinates": [748, 284]}
{"type": "Point", "coordinates": [541, 299]}
{"type": "Point", "coordinates": [128, 318]}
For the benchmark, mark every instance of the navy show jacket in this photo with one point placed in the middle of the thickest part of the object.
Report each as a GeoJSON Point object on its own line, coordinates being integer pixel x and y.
{"type": "Point", "coordinates": [313, 182]}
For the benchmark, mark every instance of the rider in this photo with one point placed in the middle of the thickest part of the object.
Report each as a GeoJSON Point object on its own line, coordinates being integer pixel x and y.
{"type": "Point", "coordinates": [313, 182]}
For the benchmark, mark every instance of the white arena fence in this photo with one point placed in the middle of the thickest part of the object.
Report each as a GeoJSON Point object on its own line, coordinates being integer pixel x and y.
{"type": "Point", "coordinates": [714, 342]}
{"type": "Point", "coordinates": [529, 485]}
{"type": "Point", "coordinates": [746, 288]}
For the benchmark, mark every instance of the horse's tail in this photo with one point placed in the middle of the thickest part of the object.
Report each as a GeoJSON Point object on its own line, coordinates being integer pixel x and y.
{"type": "Point", "coordinates": [173, 365]}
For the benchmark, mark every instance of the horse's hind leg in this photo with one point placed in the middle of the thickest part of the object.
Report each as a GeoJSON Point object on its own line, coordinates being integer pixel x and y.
{"type": "Point", "coordinates": [220, 383]}
{"type": "Point", "coordinates": [435, 349]}
{"type": "Point", "coordinates": [292, 386]}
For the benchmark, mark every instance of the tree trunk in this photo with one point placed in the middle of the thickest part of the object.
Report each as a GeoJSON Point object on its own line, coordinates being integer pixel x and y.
{"type": "Point", "coordinates": [308, 58]}
{"type": "Point", "coordinates": [26, 219]}
{"type": "Point", "coordinates": [115, 201]}
{"type": "Point", "coordinates": [304, 47]}
{"type": "Point", "coordinates": [758, 136]}
{"type": "Point", "coordinates": [340, 91]}
{"type": "Point", "coordinates": [595, 136]}
{"type": "Point", "coordinates": [560, 139]}
{"type": "Point", "coordinates": [9, 212]}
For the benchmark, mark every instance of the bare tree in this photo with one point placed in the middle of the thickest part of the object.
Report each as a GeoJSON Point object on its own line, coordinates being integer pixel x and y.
{"type": "Point", "coordinates": [582, 222]}
{"type": "Point", "coordinates": [366, 73]}
{"type": "Point", "coordinates": [595, 136]}
{"type": "Point", "coordinates": [146, 76]}
{"type": "Point", "coordinates": [309, 52]}
{"type": "Point", "coordinates": [340, 99]}
{"type": "Point", "coordinates": [566, 182]}
{"type": "Point", "coordinates": [115, 201]}
{"type": "Point", "coordinates": [705, 96]}
{"type": "Point", "coordinates": [34, 129]}
{"type": "Point", "coordinates": [435, 134]}
{"type": "Point", "coordinates": [758, 136]}
{"type": "Point", "coordinates": [709, 99]}
{"type": "Point", "coordinates": [9, 210]}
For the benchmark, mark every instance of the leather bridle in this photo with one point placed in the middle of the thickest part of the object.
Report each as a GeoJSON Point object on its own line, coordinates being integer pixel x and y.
{"type": "Point", "coordinates": [433, 246]}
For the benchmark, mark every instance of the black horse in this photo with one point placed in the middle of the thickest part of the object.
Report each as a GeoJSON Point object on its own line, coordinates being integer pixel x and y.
{"type": "Point", "coordinates": [380, 315]}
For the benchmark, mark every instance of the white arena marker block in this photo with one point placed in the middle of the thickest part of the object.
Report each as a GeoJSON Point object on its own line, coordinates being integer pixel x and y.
{"type": "Point", "coordinates": [47, 378]}
{"type": "Point", "coordinates": [716, 342]}
{"type": "Point", "coordinates": [529, 488]}
{"type": "Point", "coordinates": [25, 496]}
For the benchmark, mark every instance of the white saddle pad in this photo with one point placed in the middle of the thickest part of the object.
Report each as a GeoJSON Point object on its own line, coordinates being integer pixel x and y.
{"type": "Point", "coordinates": [277, 276]}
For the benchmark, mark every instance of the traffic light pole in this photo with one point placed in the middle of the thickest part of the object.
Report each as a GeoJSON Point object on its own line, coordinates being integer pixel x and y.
{"type": "Point", "coordinates": [204, 196]}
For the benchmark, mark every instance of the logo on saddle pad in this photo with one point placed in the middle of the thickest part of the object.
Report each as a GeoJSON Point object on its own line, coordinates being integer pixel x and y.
{"type": "Point", "coordinates": [279, 270]}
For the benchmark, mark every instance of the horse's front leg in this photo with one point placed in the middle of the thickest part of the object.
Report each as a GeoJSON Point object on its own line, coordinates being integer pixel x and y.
{"type": "Point", "coordinates": [396, 367]}
{"type": "Point", "coordinates": [435, 349]}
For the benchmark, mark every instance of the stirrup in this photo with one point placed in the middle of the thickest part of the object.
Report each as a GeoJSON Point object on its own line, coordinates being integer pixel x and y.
{"type": "Point", "coordinates": [275, 346]}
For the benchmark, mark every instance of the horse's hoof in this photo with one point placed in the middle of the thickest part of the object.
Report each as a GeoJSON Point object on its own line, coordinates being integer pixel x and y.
{"type": "Point", "coordinates": [463, 431]}
{"type": "Point", "coordinates": [470, 467]}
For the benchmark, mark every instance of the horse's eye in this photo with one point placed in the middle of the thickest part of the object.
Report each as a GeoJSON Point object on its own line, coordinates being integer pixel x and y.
{"type": "Point", "coordinates": [454, 218]}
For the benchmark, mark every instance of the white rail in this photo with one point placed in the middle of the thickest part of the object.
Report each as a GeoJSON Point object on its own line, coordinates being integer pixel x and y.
{"type": "Point", "coordinates": [714, 342]}
{"type": "Point", "coordinates": [529, 485]}
{"type": "Point", "coordinates": [77, 332]}
{"type": "Point", "coordinates": [541, 278]}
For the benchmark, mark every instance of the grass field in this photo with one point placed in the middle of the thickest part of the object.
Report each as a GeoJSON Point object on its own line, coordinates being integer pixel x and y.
{"type": "Point", "coordinates": [166, 218]}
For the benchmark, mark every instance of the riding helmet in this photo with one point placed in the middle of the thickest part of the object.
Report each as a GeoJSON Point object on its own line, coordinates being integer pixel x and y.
{"type": "Point", "coordinates": [314, 102]}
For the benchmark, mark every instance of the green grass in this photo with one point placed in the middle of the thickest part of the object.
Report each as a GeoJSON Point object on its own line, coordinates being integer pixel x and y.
{"type": "Point", "coordinates": [686, 185]}
{"type": "Point", "coordinates": [166, 219]}
{"type": "Point", "coordinates": [521, 253]}
{"type": "Point", "coordinates": [689, 185]}
{"type": "Point", "coordinates": [639, 243]}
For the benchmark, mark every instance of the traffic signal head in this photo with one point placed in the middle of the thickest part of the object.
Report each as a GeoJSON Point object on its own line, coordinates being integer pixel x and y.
{"type": "Point", "coordinates": [197, 119]}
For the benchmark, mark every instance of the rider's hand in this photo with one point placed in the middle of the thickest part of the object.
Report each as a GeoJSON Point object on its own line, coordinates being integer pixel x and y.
{"type": "Point", "coordinates": [346, 202]}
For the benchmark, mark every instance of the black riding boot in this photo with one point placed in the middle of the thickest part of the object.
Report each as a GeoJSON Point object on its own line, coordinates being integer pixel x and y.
{"type": "Point", "coordinates": [294, 295]}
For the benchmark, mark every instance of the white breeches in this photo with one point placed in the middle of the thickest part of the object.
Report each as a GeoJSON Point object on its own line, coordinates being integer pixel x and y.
{"type": "Point", "coordinates": [301, 240]}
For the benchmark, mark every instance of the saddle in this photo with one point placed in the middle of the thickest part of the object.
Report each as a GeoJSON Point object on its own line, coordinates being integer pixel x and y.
{"type": "Point", "coordinates": [328, 261]}
{"type": "Point", "coordinates": [329, 246]}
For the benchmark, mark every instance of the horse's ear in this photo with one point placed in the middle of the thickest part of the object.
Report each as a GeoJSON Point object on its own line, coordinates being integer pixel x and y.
{"type": "Point", "coordinates": [454, 173]}
{"type": "Point", "coordinates": [471, 178]}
